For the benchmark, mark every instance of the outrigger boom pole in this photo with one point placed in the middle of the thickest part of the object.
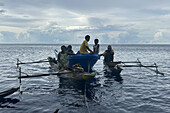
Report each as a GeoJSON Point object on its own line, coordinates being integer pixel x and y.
{"type": "Point", "coordinates": [136, 66]}
{"type": "Point", "coordinates": [40, 61]}
{"type": "Point", "coordinates": [139, 64]}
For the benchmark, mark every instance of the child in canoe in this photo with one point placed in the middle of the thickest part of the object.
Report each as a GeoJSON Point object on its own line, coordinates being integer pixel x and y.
{"type": "Point", "coordinates": [96, 47]}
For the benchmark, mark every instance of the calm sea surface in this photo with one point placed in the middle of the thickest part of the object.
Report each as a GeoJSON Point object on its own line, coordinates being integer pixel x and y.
{"type": "Point", "coordinates": [136, 90]}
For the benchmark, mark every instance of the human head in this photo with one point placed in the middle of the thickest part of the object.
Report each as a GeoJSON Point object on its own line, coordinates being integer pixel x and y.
{"type": "Point", "coordinates": [109, 47]}
{"type": "Point", "coordinates": [87, 37]}
{"type": "Point", "coordinates": [96, 41]}
{"type": "Point", "coordinates": [69, 47]}
{"type": "Point", "coordinates": [63, 48]}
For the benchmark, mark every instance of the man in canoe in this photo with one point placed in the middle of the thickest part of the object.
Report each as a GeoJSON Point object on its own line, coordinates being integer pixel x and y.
{"type": "Point", "coordinates": [108, 54]}
{"type": "Point", "coordinates": [84, 46]}
{"type": "Point", "coordinates": [63, 61]}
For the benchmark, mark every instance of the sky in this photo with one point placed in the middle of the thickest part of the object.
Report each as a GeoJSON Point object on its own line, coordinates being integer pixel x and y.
{"type": "Point", "coordinates": [68, 21]}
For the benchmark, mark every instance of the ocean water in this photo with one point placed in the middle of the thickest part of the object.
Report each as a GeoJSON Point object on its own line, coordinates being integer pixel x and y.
{"type": "Point", "coordinates": [136, 90]}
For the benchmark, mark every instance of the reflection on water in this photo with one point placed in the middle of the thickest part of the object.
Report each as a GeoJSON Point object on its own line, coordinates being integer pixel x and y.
{"type": "Point", "coordinates": [4, 102]}
{"type": "Point", "coordinates": [112, 74]}
{"type": "Point", "coordinates": [83, 87]}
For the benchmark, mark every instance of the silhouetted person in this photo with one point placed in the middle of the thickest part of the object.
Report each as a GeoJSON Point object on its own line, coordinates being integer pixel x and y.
{"type": "Point", "coordinates": [108, 54]}
{"type": "Point", "coordinates": [96, 47]}
{"type": "Point", "coordinates": [69, 50]}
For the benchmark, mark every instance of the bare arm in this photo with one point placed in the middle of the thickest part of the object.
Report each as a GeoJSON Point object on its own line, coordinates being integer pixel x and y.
{"type": "Point", "coordinates": [58, 57]}
{"type": "Point", "coordinates": [104, 53]}
{"type": "Point", "coordinates": [101, 55]}
{"type": "Point", "coordinates": [89, 49]}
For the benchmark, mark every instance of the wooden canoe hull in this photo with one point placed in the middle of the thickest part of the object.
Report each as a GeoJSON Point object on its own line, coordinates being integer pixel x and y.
{"type": "Point", "coordinates": [112, 67]}
{"type": "Point", "coordinates": [78, 75]}
{"type": "Point", "coordinates": [71, 74]}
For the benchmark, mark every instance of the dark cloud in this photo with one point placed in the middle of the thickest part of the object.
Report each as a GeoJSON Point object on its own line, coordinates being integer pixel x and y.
{"type": "Point", "coordinates": [103, 6]}
{"type": "Point", "coordinates": [85, 6]}
{"type": "Point", "coordinates": [22, 21]}
{"type": "Point", "coordinates": [156, 11]}
{"type": "Point", "coordinates": [2, 11]}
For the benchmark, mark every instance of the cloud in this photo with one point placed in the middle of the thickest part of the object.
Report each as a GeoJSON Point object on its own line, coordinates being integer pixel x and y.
{"type": "Point", "coordinates": [1, 37]}
{"type": "Point", "coordinates": [100, 5]}
{"type": "Point", "coordinates": [157, 35]}
{"type": "Point", "coordinates": [7, 36]}
{"type": "Point", "coordinates": [161, 36]}
{"type": "Point", "coordinates": [68, 21]}
{"type": "Point", "coordinates": [2, 11]}
{"type": "Point", "coordinates": [129, 37]}
{"type": "Point", "coordinates": [157, 11]}
{"type": "Point", "coordinates": [1, 4]}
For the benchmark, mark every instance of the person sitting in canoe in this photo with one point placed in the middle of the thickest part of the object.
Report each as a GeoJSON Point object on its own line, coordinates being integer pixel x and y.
{"type": "Point", "coordinates": [62, 60]}
{"type": "Point", "coordinates": [96, 47]}
{"type": "Point", "coordinates": [69, 50]}
{"type": "Point", "coordinates": [108, 54]}
{"type": "Point", "coordinates": [84, 46]}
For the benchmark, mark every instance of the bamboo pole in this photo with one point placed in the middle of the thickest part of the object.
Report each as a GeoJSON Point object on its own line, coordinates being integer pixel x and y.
{"type": "Point", "coordinates": [47, 74]}
{"type": "Point", "coordinates": [19, 63]}
{"type": "Point", "coordinates": [129, 62]}
{"type": "Point", "coordinates": [135, 66]}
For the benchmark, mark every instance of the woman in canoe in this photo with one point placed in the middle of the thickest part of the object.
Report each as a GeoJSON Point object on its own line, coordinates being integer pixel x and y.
{"type": "Point", "coordinates": [63, 61]}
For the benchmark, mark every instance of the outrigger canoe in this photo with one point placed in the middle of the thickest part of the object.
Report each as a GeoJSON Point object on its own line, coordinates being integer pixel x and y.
{"type": "Point", "coordinates": [87, 61]}
{"type": "Point", "coordinates": [77, 75]}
